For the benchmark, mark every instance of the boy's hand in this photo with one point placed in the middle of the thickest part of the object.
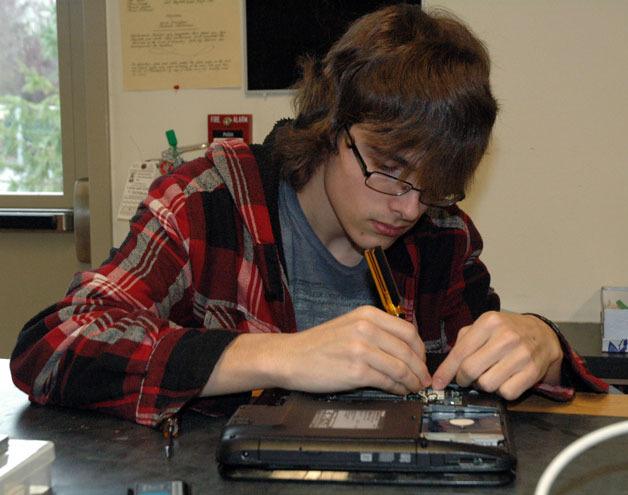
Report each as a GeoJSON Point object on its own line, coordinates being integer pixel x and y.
{"type": "Point", "coordinates": [502, 352]}
{"type": "Point", "coordinates": [363, 348]}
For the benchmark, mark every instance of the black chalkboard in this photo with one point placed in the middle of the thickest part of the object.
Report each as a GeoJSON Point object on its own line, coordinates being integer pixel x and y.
{"type": "Point", "coordinates": [278, 32]}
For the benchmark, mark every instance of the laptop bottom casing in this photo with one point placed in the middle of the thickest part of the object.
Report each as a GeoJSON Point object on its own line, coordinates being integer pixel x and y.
{"type": "Point", "coordinates": [459, 438]}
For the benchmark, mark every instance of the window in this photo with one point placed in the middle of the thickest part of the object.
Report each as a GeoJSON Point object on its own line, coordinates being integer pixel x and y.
{"type": "Point", "coordinates": [69, 138]}
{"type": "Point", "coordinates": [30, 114]}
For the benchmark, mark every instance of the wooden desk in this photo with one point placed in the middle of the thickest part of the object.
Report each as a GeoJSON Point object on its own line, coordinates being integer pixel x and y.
{"type": "Point", "coordinates": [102, 455]}
{"type": "Point", "coordinates": [583, 404]}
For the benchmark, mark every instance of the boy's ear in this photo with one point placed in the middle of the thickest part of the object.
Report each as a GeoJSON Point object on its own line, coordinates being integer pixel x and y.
{"type": "Point", "coordinates": [339, 136]}
{"type": "Point", "coordinates": [343, 131]}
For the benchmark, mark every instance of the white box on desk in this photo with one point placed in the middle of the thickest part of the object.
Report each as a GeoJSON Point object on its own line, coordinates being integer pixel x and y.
{"type": "Point", "coordinates": [25, 467]}
{"type": "Point", "coordinates": [614, 319]}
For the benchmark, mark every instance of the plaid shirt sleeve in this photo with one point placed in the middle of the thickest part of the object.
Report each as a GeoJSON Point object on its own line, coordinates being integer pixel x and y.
{"type": "Point", "coordinates": [574, 372]}
{"type": "Point", "coordinates": [124, 339]}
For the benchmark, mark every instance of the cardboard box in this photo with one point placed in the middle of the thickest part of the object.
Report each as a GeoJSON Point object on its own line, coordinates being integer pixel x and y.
{"type": "Point", "coordinates": [614, 319]}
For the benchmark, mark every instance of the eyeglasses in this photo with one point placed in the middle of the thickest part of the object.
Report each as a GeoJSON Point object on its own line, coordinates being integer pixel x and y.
{"type": "Point", "coordinates": [387, 184]}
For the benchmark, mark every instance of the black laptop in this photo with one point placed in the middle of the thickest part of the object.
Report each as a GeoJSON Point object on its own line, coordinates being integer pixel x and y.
{"type": "Point", "coordinates": [453, 437]}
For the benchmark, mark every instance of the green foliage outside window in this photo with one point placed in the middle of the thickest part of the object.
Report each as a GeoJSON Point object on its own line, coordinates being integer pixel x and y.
{"type": "Point", "coordinates": [30, 125]}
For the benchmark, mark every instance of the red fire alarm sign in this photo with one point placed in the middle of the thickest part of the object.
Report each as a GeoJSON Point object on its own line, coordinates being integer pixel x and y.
{"type": "Point", "coordinates": [228, 126]}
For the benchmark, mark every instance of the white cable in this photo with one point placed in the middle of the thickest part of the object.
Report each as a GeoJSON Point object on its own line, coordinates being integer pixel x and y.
{"type": "Point", "coordinates": [574, 449]}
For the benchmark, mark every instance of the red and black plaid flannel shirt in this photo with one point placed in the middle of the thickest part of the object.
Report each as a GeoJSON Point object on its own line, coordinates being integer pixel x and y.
{"type": "Point", "coordinates": [139, 336]}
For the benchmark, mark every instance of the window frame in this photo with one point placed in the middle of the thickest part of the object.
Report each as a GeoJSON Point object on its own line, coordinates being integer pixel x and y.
{"type": "Point", "coordinates": [83, 91]}
{"type": "Point", "coordinates": [56, 200]}
{"type": "Point", "coordinates": [84, 96]}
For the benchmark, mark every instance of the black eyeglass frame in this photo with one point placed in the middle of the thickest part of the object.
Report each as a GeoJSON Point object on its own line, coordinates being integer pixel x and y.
{"type": "Point", "coordinates": [440, 203]}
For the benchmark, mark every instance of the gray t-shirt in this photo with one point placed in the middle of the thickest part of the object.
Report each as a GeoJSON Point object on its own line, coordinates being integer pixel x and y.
{"type": "Point", "coordinates": [321, 288]}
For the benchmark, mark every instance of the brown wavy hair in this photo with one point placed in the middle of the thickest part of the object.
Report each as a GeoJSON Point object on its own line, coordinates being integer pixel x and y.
{"type": "Point", "coordinates": [419, 82]}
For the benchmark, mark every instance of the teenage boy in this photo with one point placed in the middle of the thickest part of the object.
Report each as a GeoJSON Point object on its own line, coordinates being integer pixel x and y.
{"type": "Point", "coordinates": [244, 269]}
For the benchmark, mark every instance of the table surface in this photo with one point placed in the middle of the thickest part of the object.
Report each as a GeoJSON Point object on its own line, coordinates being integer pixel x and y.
{"type": "Point", "coordinates": [99, 454]}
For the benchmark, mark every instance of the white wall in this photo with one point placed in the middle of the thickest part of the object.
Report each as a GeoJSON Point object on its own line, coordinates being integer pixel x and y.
{"type": "Point", "coordinates": [551, 196]}
{"type": "Point", "coordinates": [139, 119]}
